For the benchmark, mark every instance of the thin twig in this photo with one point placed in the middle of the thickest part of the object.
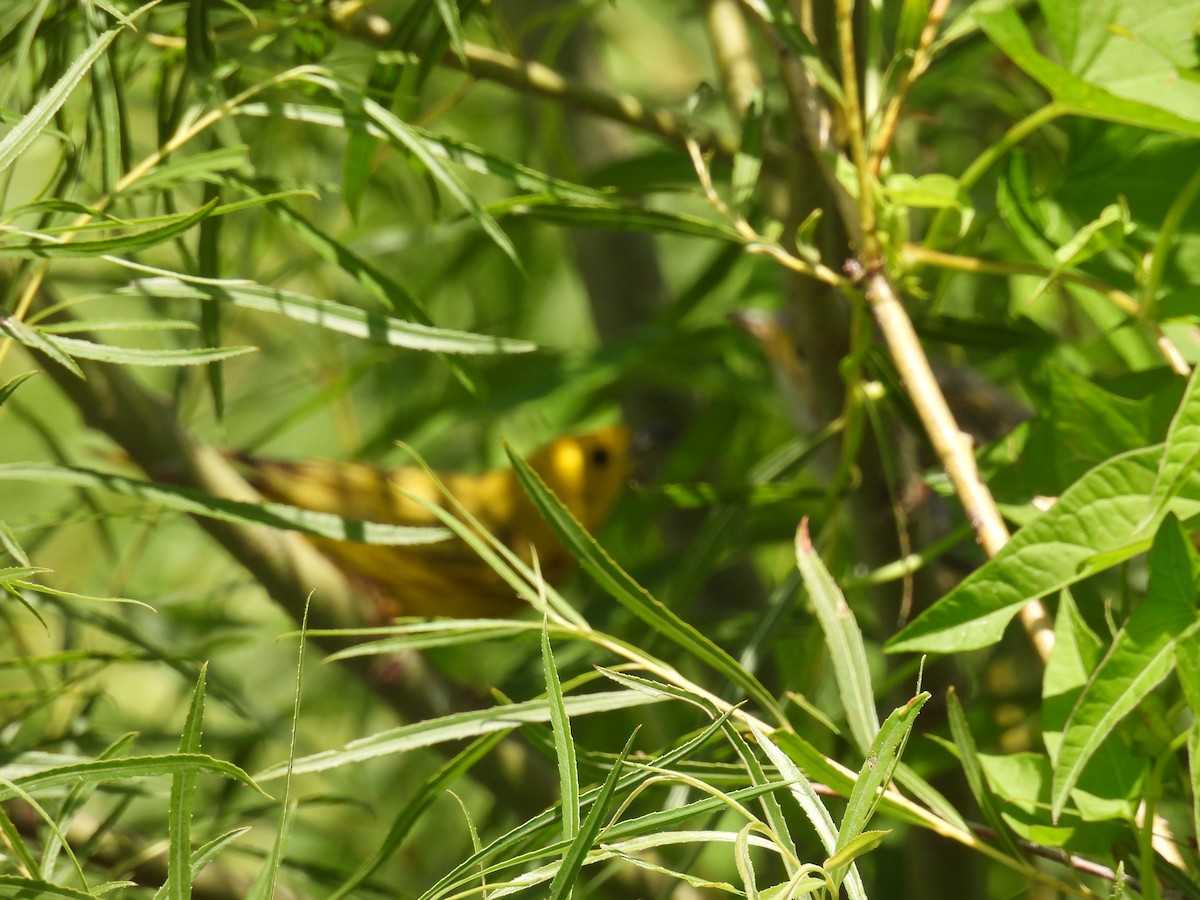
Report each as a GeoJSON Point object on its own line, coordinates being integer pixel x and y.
{"type": "Point", "coordinates": [953, 447]}
{"type": "Point", "coordinates": [734, 54]}
{"type": "Point", "coordinates": [868, 247]}
{"type": "Point", "coordinates": [916, 255]}
{"type": "Point", "coordinates": [922, 57]}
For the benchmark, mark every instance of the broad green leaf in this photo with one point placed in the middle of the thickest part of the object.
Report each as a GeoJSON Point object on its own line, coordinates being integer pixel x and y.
{"type": "Point", "coordinates": [937, 191]}
{"type": "Point", "coordinates": [622, 588]}
{"type": "Point", "coordinates": [334, 316]}
{"type": "Point", "coordinates": [276, 515]}
{"type": "Point", "coordinates": [1094, 524]}
{"type": "Point", "coordinates": [1181, 456]}
{"type": "Point", "coordinates": [1073, 95]}
{"type": "Point", "coordinates": [1142, 656]}
{"type": "Point", "coordinates": [1138, 49]}
{"type": "Point", "coordinates": [1076, 653]}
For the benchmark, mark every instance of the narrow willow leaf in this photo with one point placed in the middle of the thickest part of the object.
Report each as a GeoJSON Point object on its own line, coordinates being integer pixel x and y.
{"type": "Point", "coordinates": [504, 846]}
{"type": "Point", "coordinates": [183, 795]}
{"type": "Point", "coordinates": [1093, 525]}
{"type": "Point", "coordinates": [206, 853]}
{"type": "Point", "coordinates": [747, 163]}
{"type": "Point", "coordinates": [1141, 657]}
{"type": "Point", "coordinates": [876, 774]}
{"type": "Point", "coordinates": [469, 156]}
{"type": "Point", "coordinates": [334, 316]}
{"type": "Point", "coordinates": [127, 767]}
{"type": "Point", "coordinates": [864, 843]}
{"type": "Point", "coordinates": [412, 811]}
{"type": "Point", "coordinates": [564, 746]}
{"type": "Point", "coordinates": [26, 131]}
{"type": "Point", "coordinates": [132, 356]}
{"type": "Point", "coordinates": [612, 216]}
{"type": "Point", "coordinates": [849, 656]}
{"type": "Point", "coordinates": [811, 805]}
{"type": "Point", "coordinates": [400, 133]}
{"type": "Point", "coordinates": [629, 593]}
{"type": "Point", "coordinates": [128, 243]}
{"type": "Point", "coordinates": [968, 758]}
{"type": "Point", "coordinates": [843, 640]}
{"type": "Point", "coordinates": [276, 515]}
{"type": "Point", "coordinates": [35, 340]}
{"type": "Point", "coordinates": [189, 170]}
{"type": "Point", "coordinates": [568, 872]}
{"type": "Point", "coordinates": [34, 887]}
{"type": "Point", "coordinates": [454, 727]}
{"type": "Point", "coordinates": [19, 574]}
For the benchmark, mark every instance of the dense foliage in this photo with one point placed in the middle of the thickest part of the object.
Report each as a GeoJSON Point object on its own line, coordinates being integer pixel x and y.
{"type": "Point", "coordinates": [900, 299]}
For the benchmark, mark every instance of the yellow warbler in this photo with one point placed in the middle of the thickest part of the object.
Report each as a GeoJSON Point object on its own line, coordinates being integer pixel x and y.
{"type": "Point", "coordinates": [585, 471]}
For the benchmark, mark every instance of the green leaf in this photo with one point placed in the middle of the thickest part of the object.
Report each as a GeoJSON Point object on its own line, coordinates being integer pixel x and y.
{"type": "Point", "coordinates": [1094, 524]}
{"type": "Point", "coordinates": [1141, 657]}
{"type": "Point", "coordinates": [747, 162]}
{"type": "Point", "coordinates": [332, 315]}
{"type": "Point", "coordinates": [411, 812]}
{"type": "Point", "coordinates": [564, 746]}
{"type": "Point", "coordinates": [873, 778]}
{"type": "Point", "coordinates": [183, 795]}
{"type": "Point", "coordinates": [469, 156]}
{"type": "Point", "coordinates": [1004, 27]}
{"type": "Point", "coordinates": [968, 758]}
{"type": "Point", "coordinates": [276, 515]}
{"type": "Point", "coordinates": [127, 243]}
{"type": "Point", "coordinates": [1181, 456]}
{"type": "Point", "coordinates": [26, 131]}
{"type": "Point", "coordinates": [135, 356]}
{"type": "Point", "coordinates": [629, 593]}
{"type": "Point", "coordinates": [10, 387]}
{"type": "Point", "coordinates": [568, 872]}
{"type": "Point", "coordinates": [844, 641]}
{"type": "Point", "coordinates": [400, 133]}
{"type": "Point", "coordinates": [35, 340]}
{"type": "Point", "coordinates": [454, 727]}
{"type": "Point", "coordinates": [612, 217]}
{"type": "Point", "coordinates": [104, 770]}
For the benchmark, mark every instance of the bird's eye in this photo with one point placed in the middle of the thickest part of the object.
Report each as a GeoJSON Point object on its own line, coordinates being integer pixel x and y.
{"type": "Point", "coordinates": [599, 457]}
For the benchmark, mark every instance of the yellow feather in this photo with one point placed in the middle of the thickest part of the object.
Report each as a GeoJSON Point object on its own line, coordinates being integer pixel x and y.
{"type": "Point", "coordinates": [585, 471]}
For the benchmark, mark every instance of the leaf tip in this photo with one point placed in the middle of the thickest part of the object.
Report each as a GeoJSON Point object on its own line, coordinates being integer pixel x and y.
{"type": "Point", "coordinates": [803, 541]}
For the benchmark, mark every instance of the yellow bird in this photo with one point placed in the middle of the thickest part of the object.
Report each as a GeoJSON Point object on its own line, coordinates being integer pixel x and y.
{"type": "Point", "coordinates": [585, 471]}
